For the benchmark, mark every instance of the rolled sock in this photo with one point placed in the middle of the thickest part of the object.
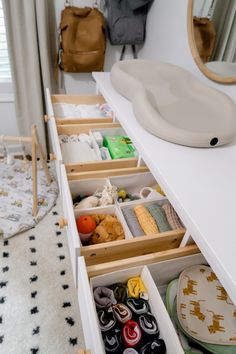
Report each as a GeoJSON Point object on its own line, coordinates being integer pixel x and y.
{"type": "Point", "coordinates": [156, 346]}
{"type": "Point", "coordinates": [104, 297]}
{"type": "Point", "coordinates": [148, 324]}
{"type": "Point", "coordinates": [122, 313]}
{"type": "Point", "coordinates": [146, 220]}
{"type": "Point", "coordinates": [137, 306]}
{"type": "Point", "coordinates": [120, 291]}
{"type": "Point", "coordinates": [131, 333]}
{"type": "Point", "coordinates": [136, 288]}
{"type": "Point", "coordinates": [172, 217]}
{"type": "Point", "coordinates": [130, 351]}
{"type": "Point", "coordinates": [106, 319]}
{"type": "Point", "coordinates": [113, 341]}
{"type": "Point", "coordinates": [132, 221]}
{"type": "Point", "coordinates": [159, 216]}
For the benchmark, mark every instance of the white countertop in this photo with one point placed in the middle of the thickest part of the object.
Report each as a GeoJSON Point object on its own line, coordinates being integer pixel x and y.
{"type": "Point", "coordinates": [200, 183]}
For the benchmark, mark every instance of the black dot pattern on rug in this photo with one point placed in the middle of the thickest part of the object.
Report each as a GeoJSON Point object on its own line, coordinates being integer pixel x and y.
{"type": "Point", "coordinates": [5, 254]}
{"type": "Point", "coordinates": [32, 250]}
{"type": "Point", "coordinates": [56, 224]}
{"type": "Point", "coordinates": [65, 286]}
{"type": "Point", "coordinates": [66, 304]}
{"type": "Point", "coordinates": [5, 243]}
{"type": "Point", "coordinates": [1, 339]}
{"type": "Point", "coordinates": [34, 350]}
{"type": "Point", "coordinates": [70, 321]}
{"type": "Point", "coordinates": [33, 294]}
{"type": "Point", "coordinates": [33, 278]}
{"type": "Point", "coordinates": [3, 284]}
{"type": "Point", "coordinates": [1, 320]}
{"type": "Point", "coordinates": [61, 257]}
{"type": "Point", "coordinates": [5, 269]}
{"type": "Point", "coordinates": [33, 263]}
{"type": "Point", "coordinates": [36, 330]}
{"type": "Point", "coordinates": [54, 213]}
{"type": "Point", "coordinates": [31, 238]}
{"type": "Point", "coordinates": [63, 272]}
{"type": "Point", "coordinates": [2, 299]}
{"type": "Point", "coordinates": [58, 233]}
{"type": "Point", "coordinates": [73, 341]}
{"type": "Point", "coordinates": [59, 244]}
{"type": "Point", "coordinates": [34, 310]}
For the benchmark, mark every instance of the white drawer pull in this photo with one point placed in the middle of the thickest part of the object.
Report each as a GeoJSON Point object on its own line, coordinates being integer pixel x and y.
{"type": "Point", "coordinates": [62, 222]}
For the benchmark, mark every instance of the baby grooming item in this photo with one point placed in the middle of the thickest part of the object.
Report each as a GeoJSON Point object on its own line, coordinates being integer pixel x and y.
{"type": "Point", "coordinates": [159, 216]}
{"type": "Point", "coordinates": [132, 221]}
{"type": "Point", "coordinates": [145, 219]}
{"type": "Point", "coordinates": [172, 217]}
{"type": "Point", "coordinates": [86, 226]}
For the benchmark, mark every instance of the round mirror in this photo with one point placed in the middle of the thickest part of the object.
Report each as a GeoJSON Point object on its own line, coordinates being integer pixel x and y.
{"type": "Point", "coordinates": [212, 38]}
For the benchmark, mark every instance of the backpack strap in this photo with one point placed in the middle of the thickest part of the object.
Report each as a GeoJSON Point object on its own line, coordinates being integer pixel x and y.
{"type": "Point", "coordinates": [133, 47]}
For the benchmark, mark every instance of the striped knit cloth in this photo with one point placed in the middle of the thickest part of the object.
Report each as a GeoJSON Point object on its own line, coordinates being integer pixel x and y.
{"type": "Point", "coordinates": [159, 216]}
{"type": "Point", "coordinates": [172, 217]}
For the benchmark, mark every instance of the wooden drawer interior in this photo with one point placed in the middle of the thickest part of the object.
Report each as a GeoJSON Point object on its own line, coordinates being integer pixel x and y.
{"type": "Point", "coordinates": [80, 99]}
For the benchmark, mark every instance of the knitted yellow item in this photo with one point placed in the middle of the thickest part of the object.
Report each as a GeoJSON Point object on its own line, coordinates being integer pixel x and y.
{"type": "Point", "coordinates": [145, 219]}
{"type": "Point", "coordinates": [136, 288]}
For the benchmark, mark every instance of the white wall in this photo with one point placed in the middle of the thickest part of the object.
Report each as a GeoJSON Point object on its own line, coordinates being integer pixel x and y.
{"type": "Point", "coordinates": [167, 40]}
{"type": "Point", "coordinates": [83, 83]}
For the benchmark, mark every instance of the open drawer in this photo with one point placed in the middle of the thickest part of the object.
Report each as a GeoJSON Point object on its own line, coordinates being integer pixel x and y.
{"type": "Point", "coordinates": [116, 251]}
{"type": "Point", "coordinates": [67, 116]}
{"type": "Point", "coordinates": [155, 276]}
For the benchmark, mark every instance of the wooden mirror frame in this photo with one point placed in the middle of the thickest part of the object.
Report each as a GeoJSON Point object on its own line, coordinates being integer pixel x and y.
{"type": "Point", "coordinates": [207, 72]}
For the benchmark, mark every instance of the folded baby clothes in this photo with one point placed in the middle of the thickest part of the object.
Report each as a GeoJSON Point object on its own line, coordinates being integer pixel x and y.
{"type": "Point", "coordinates": [104, 297]}
{"type": "Point", "coordinates": [131, 333]}
{"type": "Point", "coordinates": [122, 313]}
{"type": "Point", "coordinates": [130, 351]}
{"type": "Point", "coordinates": [172, 217]}
{"type": "Point", "coordinates": [132, 221]}
{"type": "Point", "coordinates": [146, 220]}
{"type": "Point", "coordinates": [148, 324]}
{"type": "Point", "coordinates": [137, 306]}
{"type": "Point", "coordinates": [159, 216]}
{"type": "Point", "coordinates": [120, 291]}
{"type": "Point", "coordinates": [156, 346]}
{"type": "Point", "coordinates": [106, 319]}
{"type": "Point", "coordinates": [113, 341]}
{"type": "Point", "coordinates": [136, 288]}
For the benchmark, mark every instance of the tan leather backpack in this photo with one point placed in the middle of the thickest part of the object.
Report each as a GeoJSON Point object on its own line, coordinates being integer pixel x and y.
{"type": "Point", "coordinates": [82, 40]}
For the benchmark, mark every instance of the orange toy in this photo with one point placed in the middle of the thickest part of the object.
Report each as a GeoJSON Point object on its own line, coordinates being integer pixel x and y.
{"type": "Point", "coordinates": [85, 225]}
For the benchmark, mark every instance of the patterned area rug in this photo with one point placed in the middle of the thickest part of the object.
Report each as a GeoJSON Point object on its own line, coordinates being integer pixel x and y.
{"type": "Point", "coordinates": [39, 311]}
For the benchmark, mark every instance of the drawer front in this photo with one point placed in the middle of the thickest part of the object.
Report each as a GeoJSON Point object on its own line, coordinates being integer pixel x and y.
{"type": "Point", "coordinates": [72, 176]}
{"type": "Point", "coordinates": [70, 224]}
{"type": "Point", "coordinates": [70, 129]}
{"type": "Point", "coordinates": [169, 269]}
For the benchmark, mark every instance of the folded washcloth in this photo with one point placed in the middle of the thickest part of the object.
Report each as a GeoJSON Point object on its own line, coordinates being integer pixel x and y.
{"type": "Point", "coordinates": [156, 346]}
{"type": "Point", "coordinates": [145, 220]}
{"type": "Point", "coordinates": [136, 288]}
{"type": "Point", "coordinates": [120, 291]}
{"type": "Point", "coordinates": [113, 341]}
{"type": "Point", "coordinates": [131, 333]}
{"type": "Point", "coordinates": [148, 324]}
{"type": "Point", "coordinates": [159, 216]}
{"type": "Point", "coordinates": [104, 297]}
{"type": "Point", "coordinates": [172, 217]}
{"type": "Point", "coordinates": [106, 319]}
{"type": "Point", "coordinates": [137, 306]}
{"type": "Point", "coordinates": [132, 221]}
{"type": "Point", "coordinates": [122, 313]}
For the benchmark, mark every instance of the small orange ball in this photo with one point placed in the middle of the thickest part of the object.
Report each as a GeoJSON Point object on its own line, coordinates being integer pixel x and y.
{"type": "Point", "coordinates": [85, 224]}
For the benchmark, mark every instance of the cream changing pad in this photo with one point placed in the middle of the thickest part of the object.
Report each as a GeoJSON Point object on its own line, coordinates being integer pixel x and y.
{"type": "Point", "coordinates": [174, 105]}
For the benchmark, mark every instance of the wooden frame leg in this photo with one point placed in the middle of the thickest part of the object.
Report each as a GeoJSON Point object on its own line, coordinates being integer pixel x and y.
{"type": "Point", "coordinates": [34, 173]}
{"type": "Point", "coordinates": [42, 157]}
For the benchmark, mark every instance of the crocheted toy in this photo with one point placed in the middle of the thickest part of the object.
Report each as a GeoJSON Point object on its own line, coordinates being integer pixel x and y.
{"type": "Point", "coordinates": [109, 229]}
{"type": "Point", "coordinates": [145, 219]}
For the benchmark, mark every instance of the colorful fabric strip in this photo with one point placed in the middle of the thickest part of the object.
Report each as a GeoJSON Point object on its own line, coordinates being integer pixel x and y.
{"type": "Point", "coordinates": [131, 333]}
{"type": "Point", "coordinates": [104, 297]}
